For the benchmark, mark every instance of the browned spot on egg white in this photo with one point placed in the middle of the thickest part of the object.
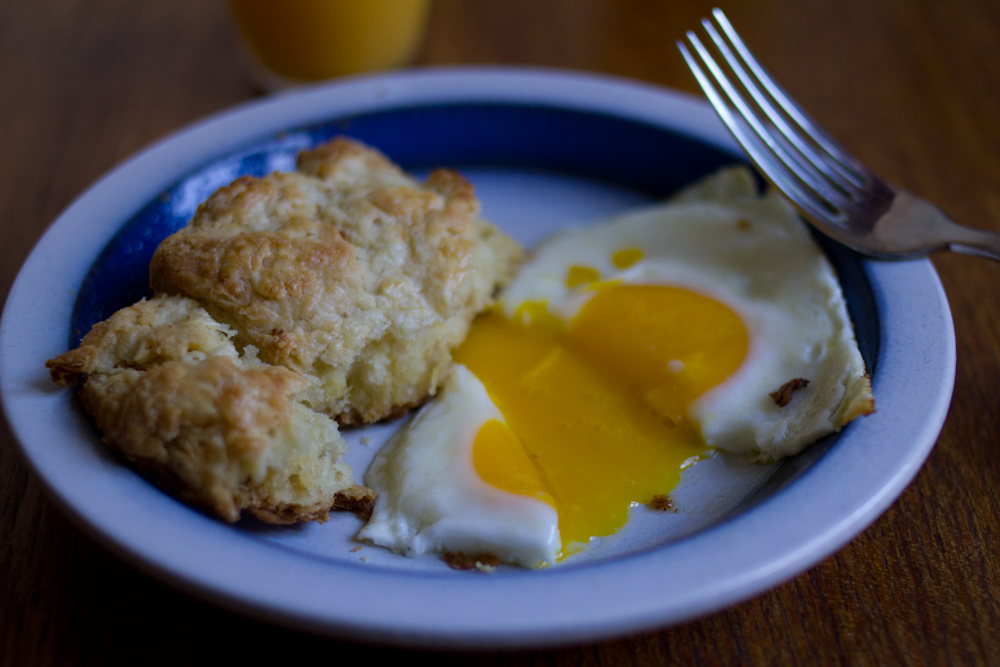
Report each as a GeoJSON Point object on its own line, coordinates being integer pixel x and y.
{"type": "Point", "coordinates": [662, 503]}
{"type": "Point", "coordinates": [458, 560]}
{"type": "Point", "coordinates": [743, 225]}
{"type": "Point", "coordinates": [784, 395]}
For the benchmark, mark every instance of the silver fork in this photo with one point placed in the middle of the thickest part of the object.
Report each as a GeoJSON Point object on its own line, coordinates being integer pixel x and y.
{"type": "Point", "coordinates": [832, 189]}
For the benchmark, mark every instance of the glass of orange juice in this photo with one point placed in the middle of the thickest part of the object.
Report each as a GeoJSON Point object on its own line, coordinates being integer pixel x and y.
{"type": "Point", "coordinates": [296, 41]}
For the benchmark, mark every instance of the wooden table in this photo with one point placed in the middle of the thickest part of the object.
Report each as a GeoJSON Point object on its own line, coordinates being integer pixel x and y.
{"type": "Point", "coordinates": [912, 86]}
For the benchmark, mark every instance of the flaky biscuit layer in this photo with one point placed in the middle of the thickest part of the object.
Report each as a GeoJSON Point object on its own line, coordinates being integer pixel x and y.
{"type": "Point", "coordinates": [347, 271]}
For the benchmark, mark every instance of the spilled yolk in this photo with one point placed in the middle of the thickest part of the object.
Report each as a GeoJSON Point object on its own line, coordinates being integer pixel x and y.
{"type": "Point", "coordinates": [581, 275]}
{"type": "Point", "coordinates": [626, 257]}
{"type": "Point", "coordinates": [596, 409]}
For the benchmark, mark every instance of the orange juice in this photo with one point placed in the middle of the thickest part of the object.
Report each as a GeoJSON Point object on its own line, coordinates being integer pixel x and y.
{"type": "Point", "coordinates": [309, 40]}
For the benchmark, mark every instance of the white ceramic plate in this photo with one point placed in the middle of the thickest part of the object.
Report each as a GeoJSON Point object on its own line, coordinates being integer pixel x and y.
{"type": "Point", "coordinates": [545, 149]}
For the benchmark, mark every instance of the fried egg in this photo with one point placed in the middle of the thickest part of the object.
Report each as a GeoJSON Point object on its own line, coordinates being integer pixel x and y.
{"type": "Point", "coordinates": [621, 354]}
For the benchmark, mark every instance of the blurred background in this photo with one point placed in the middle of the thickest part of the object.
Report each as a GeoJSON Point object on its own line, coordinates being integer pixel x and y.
{"type": "Point", "coordinates": [911, 86]}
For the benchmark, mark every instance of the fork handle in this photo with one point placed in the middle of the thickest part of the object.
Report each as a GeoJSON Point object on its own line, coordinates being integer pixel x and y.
{"type": "Point", "coordinates": [913, 227]}
{"type": "Point", "coordinates": [977, 242]}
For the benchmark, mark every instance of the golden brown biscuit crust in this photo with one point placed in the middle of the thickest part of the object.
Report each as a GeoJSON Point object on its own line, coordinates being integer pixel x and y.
{"type": "Point", "coordinates": [169, 391]}
{"type": "Point", "coordinates": [199, 428]}
{"type": "Point", "coordinates": [348, 271]}
{"type": "Point", "coordinates": [143, 335]}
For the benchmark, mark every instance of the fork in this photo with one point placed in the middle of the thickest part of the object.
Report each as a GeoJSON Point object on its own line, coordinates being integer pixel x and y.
{"type": "Point", "coordinates": [832, 189]}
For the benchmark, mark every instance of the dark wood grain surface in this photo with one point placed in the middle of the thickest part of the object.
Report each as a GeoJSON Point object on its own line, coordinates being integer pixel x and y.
{"type": "Point", "coordinates": [912, 86]}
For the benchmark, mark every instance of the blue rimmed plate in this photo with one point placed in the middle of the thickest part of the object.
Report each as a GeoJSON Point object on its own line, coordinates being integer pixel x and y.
{"type": "Point", "coordinates": [545, 150]}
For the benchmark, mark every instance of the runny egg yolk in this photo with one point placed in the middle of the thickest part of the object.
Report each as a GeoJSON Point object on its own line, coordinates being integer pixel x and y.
{"type": "Point", "coordinates": [596, 409]}
{"type": "Point", "coordinates": [626, 257]}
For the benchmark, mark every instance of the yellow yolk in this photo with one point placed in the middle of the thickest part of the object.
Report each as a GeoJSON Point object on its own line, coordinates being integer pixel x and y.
{"type": "Point", "coordinates": [596, 410]}
{"type": "Point", "coordinates": [668, 345]}
{"type": "Point", "coordinates": [502, 461]}
{"type": "Point", "coordinates": [626, 257]}
{"type": "Point", "coordinates": [581, 275]}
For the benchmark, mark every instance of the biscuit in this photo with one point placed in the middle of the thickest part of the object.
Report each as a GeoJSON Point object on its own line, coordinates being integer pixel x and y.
{"type": "Point", "coordinates": [347, 271]}
{"type": "Point", "coordinates": [168, 389]}
{"type": "Point", "coordinates": [336, 292]}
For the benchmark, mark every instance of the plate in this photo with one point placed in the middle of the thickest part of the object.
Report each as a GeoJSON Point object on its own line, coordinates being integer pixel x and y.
{"type": "Point", "coordinates": [545, 149]}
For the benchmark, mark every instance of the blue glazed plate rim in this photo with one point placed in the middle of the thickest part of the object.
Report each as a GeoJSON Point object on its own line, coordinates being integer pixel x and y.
{"type": "Point", "coordinates": [775, 540]}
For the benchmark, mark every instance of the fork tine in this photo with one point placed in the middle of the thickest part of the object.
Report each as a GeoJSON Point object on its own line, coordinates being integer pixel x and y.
{"type": "Point", "coordinates": [752, 141]}
{"type": "Point", "coordinates": [800, 149]}
{"type": "Point", "coordinates": [850, 167]}
{"type": "Point", "coordinates": [776, 162]}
